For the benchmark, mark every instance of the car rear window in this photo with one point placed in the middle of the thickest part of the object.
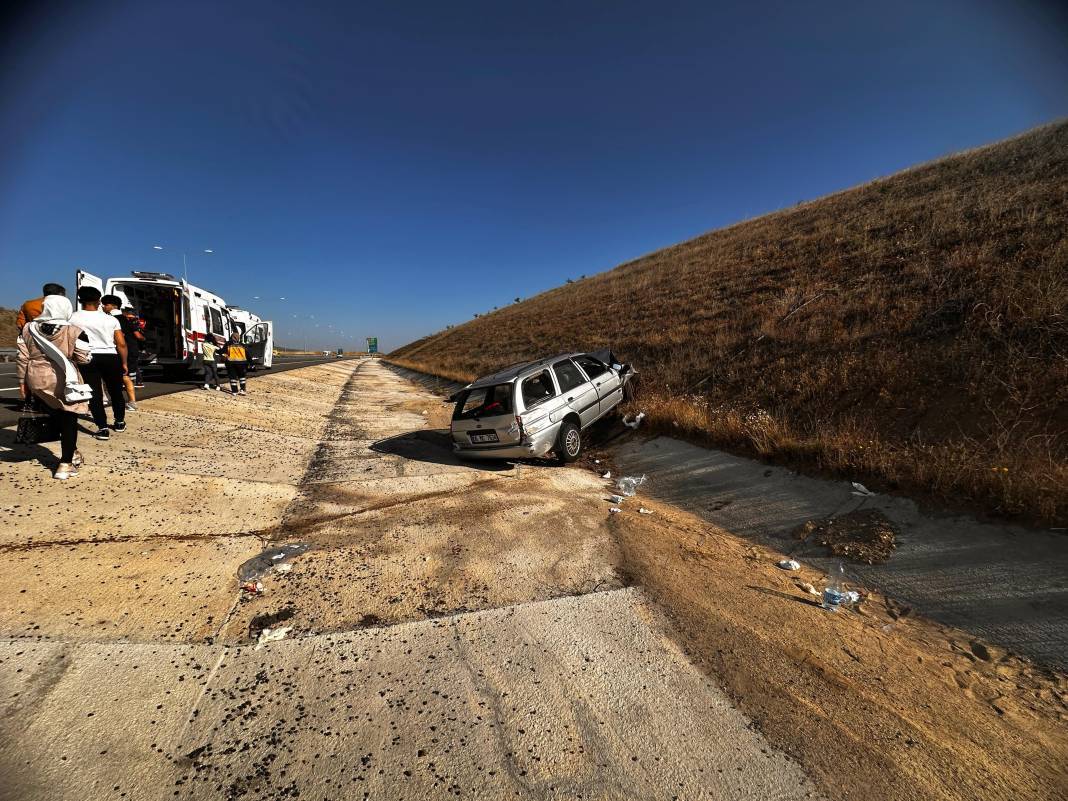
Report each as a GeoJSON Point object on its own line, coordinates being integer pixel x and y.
{"type": "Point", "coordinates": [592, 367]}
{"type": "Point", "coordinates": [484, 402]}
{"type": "Point", "coordinates": [537, 388]}
{"type": "Point", "coordinates": [567, 375]}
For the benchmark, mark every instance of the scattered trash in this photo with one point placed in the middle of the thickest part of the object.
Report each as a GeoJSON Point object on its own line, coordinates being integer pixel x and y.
{"type": "Point", "coordinates": [253, 587]}
{"type": "Point", "coordinates": [272, 635]}
{"type": "Point", "coordinates": [810, 589]}
{"type": "Point", "coordinates": [285, 567]}
{"type": "Point", "coordinates": [616, 498]}
{"type": "Point", "coordinates": [614, 510]}
{"type": "Point", "coordinates": [637, 421]}
{"type": "Point", "coordinates": [607, 474]}
{"type": "Point", "coordinates": [861, 490]}
{"type": "Point", "coordinates": [260, 564]}
{"type": "Point", "coordinates": [789, 564]}
{"type": "Point", "coordinates": [424, 412]}
{"type": "Point", "coordinates": [596, 461]}
{"type": "Point", "coordinates": [628, 485]}
{"type": "Point", "coordinates": [834, 592]}
{"type": "Point", "coordinates": [851, 597]}
{"type": "Point", "coordinates": [644, 511]}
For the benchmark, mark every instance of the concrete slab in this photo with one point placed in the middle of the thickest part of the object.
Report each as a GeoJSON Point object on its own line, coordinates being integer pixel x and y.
{"type": "Point", "coordinates": [571, 698]}
{"type": "Point", "coordinates": [1005, 583]}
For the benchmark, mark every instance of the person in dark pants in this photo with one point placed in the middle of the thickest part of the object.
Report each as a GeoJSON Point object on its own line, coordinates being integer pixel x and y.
{"type": "Point", "coordinates": [236, 358]}
{"type": "Point", "coordinates": [131, 332]}
{"type": "Point", "coordinates": [108, 363]}
{"type": "Point", "coordinates": [211, 367]}
{"type": "Point", "coordinates": [47, 380]}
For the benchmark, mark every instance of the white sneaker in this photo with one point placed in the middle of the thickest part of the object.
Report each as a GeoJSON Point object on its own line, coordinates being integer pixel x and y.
{"type": "Point", "coordinates": [64, 471]}
{"type": "Point", "coordinates": [206, 386]}
{"type": "Point", "coordinates": [242, 392]}
{"type": "Point", "coordinates": [131, 406]}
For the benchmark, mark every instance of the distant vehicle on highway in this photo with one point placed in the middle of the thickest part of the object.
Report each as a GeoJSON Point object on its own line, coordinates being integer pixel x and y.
{"type": "Point", "coordinates": [178, 316]}
{"type": "Point", "coordinates": [532, 408]}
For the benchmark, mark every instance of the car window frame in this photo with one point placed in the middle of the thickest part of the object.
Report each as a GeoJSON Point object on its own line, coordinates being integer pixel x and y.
{"type": "Point", "coordinates": [552, 384]}
{"type": "Point", "coordinates": [607, 368]}
{"type": "Point", "coordinates": [583, 378]}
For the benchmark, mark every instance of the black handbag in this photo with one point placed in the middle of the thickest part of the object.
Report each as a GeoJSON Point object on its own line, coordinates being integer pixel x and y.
{"type": "Point", "coordinates": [34, 428]}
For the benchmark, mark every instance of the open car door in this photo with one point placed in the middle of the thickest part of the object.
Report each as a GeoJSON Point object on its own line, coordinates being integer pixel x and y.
{"type": "Point", "coordinates": [82, 278]}
{"type": "Point", "coordinates": [258, 341]}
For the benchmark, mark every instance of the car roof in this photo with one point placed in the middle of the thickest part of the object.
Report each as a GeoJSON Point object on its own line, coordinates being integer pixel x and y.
{"type": "Point", "coordinates": [514, 371]}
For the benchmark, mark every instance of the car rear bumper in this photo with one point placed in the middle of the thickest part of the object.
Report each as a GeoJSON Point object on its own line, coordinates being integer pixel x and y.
{"type": "Point", "coordinates": [539, 446]}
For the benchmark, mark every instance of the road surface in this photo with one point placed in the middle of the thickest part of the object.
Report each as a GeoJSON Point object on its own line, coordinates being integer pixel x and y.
{"type": "Point", "coordinates": [154, 386]}
{"type": "Point", "coordinates": [448, 630]}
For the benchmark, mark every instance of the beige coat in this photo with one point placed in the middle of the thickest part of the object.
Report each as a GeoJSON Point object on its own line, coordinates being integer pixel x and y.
{"type": "Point", "coordinates": [42, 376]}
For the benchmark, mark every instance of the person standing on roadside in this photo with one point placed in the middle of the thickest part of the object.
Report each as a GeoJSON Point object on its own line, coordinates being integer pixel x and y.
{"type": "Point", "coordinates": [236, 358]}
{"type": "Point", "coordinates": [111, 305]}
{"type": "Point", "coordinates": [27, 312]}
{"type": "Point", "coordinates": [48, 369]}
{"type": "Point", "coordinates": [32, 308]}
{"type": "Point", "coordinates": [107, 366]}
{"type": "Point", "coordinates": [211, 369]}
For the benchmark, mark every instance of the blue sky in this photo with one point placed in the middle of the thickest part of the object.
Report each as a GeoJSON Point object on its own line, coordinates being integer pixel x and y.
{"type": "Point", "coordinates": [392, 168]}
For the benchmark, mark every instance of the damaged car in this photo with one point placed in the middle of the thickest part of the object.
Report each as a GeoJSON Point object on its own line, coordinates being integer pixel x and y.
{"type": "Point", "coordinates": [533, 408]}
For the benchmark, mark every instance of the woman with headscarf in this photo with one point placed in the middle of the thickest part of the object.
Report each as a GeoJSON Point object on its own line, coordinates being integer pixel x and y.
{"type": "Point", "coordinates": [48, 351]}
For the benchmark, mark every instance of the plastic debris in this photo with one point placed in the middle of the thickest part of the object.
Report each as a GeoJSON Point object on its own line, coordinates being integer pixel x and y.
{"type": "Point", "coordinates": [789, 564]}
{"type": "Point", "coordinates": [607, 474]}
{"type": "Point", "coordinates": [614, 510]}
{"type": "Point", "coordinates": [285, 567]}
{"type": "Point", "coordinates": [861, 490]}
{"type": "Point", "coordinates": [596, 461]}
{"type": "Point", "coordinates": [253, 587]}
{"type": "Point", "coordinates": [628, 485]}
{"type": "Point", "coordinates": [644, 511]}
{"type": "Point", "coordinates": [851, 597]}
{"type": "Point", "coordinates": [810, 589]}
{"type": "Point", "coordinates": [834, 593]}
{"type": "Point", "coordinates": [272, 635]}
{"type": "Point", "coordinates": [616, 498]}
{"type": "Point", "coordinates": [637, 421]}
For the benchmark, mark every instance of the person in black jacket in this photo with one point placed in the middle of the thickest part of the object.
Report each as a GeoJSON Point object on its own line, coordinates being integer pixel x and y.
{"type": "Point", "coordinates": [236, 358]}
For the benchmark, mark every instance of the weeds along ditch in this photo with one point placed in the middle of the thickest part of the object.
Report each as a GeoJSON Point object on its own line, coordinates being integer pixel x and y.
{"type": "Point", "coordinates": [910, 332]}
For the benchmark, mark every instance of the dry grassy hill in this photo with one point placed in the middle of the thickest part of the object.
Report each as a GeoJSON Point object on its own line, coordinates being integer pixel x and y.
{"type": "Point", "coordinates": [911, 332]}
{"type": "Point", "coordinates": [8, 331]}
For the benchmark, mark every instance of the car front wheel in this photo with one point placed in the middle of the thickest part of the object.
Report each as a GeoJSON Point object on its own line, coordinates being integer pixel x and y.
{"type": "Point", "coordinates": [568, 442]}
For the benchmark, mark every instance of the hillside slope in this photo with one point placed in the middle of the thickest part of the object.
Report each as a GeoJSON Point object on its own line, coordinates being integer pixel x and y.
{"type": "Point", "coordinates": [8, 330]}
{"type": "Point", "coordinates": [912, 331]}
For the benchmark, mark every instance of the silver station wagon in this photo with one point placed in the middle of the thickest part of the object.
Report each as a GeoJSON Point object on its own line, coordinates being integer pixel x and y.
{"type": "Point", "coordinates": [532, 408]}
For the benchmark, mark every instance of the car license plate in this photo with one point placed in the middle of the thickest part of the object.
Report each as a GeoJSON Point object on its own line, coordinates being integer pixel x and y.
{"type": "Point", "coordinates": [484, 436]}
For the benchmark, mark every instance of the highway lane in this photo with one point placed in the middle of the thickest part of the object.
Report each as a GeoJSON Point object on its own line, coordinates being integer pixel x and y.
{"type": "Point", "coordinates": [154, 383]}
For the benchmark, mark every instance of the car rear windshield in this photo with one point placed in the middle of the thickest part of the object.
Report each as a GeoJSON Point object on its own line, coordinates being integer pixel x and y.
{"type": "Point", "coordinates": [484, 402]}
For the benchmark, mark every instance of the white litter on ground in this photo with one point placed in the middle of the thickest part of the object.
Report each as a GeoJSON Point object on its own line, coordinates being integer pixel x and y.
{"type": "Point", "coordinates": [637, 421]}
{"type": "Point", "coordinates": [272, 635]}
{"type": "Point", "coordinates": [607, 474]}
{"type": "Point", "coordinates": [789, 564]}
{"type": "Point", "coordinates": [614, 510]}
{"type": "Point", "coordinates": [644, 511]}
{"type": "Point", "coordinates": [285, 567]}
{"type": "Point", "coordinates": [810, 589]}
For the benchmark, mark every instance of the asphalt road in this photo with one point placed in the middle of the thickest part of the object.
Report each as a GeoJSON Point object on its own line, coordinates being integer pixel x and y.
{"type": "Point", "coordinates": [154, 384]}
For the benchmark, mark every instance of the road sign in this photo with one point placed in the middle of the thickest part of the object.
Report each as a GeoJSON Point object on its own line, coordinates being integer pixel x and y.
{"type": "Point", "coordinates": [372, 344]}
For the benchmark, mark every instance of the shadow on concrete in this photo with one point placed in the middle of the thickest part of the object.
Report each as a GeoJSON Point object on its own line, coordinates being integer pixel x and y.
{"type": "Point", "coordinates": [433, 446]}
{"type": "Point", "coordinates": [11, 451]}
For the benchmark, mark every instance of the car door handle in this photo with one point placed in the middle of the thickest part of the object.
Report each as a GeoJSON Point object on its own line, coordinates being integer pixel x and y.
{"type": "Point", "coordinates": [597, 384]}
{"type": "Point", "coordinates": [569, 400]}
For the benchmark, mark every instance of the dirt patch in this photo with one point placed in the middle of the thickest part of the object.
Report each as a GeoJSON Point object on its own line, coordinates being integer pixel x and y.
{"type": "Point", "coordinates": [875, 702]}
{"type": "Point", "coordinates": [866, 535]}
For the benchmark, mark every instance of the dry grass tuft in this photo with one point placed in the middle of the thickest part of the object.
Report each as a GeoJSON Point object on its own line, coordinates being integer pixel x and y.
{"type": "Point", "coordinates": [911, 332]}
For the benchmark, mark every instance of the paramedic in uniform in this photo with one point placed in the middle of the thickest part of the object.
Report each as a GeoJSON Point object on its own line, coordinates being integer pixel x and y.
{"type": "Point", "coordinates": [236, 358]}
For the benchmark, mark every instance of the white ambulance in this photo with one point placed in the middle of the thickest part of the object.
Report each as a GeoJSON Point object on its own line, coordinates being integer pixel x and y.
{"type": "Point", "coordinates": [178, 316]}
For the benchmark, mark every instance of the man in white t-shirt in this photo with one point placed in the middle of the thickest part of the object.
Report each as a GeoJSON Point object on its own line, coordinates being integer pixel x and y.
{"type": "Point", "coordinates": [108, 363]}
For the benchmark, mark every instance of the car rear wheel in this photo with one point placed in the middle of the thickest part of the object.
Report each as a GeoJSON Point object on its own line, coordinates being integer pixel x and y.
{"type": "Point", "coordinates": [568, 442]}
